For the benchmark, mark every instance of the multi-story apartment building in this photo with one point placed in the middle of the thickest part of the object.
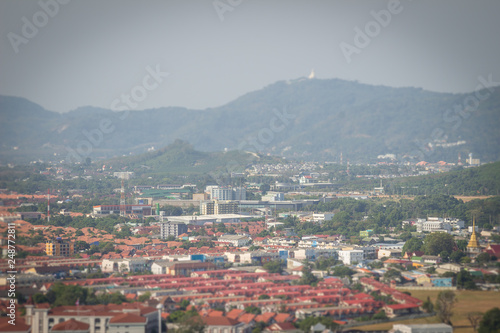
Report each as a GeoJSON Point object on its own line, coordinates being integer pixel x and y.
{"type": "Point", "coordinates": [221, 193]}
{"type": "Point", "coordinates": [59, 248]}
{"type": "Point", "coordinates": [218, 207]}
{"type": "Point", "coordinates": [172, 229]}
{"type": "Point", "coordinates": [348, 257]}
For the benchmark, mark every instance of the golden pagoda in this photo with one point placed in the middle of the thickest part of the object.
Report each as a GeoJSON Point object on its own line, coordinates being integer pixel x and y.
{"type": "Point", "coordinates": [473, 246]}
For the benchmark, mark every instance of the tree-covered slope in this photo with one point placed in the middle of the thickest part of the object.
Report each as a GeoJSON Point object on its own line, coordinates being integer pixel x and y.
{"type": "Point", "coordinates": [313, 119]}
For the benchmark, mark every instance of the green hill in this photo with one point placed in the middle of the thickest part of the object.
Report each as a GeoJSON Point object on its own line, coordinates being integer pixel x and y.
{"type": "Point", "coordinates": [308, 119]}
{"type": "Point", "coordinates": [179, 158]}
{"type": "Point", "coordinates": [483, 180]}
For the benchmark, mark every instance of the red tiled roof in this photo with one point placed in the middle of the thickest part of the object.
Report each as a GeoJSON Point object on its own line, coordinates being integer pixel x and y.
{"type": "Point", "coordinates": [127, 318]}
{"type": "Point", "coordinates": [219, 321]}
{"type": "Point", "coordinates": [280, 327]}
{"type": "Point", "coordinates": [20, 325]}
{"type": "Point", "coordinates": [283, 317]}
{"type": "Point", "coordinates": [246, 318]}
{"type": "Point", "coordinates": [265, 317]}
{"type": "Point", "coordinates": [71, 325]}
{"type": "Point", "coordinates": [215, 313]}
{"type": "Point", "coordinates": [235, 313]}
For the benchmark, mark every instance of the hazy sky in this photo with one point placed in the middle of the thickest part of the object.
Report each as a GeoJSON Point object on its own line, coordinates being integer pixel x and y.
{"type": "Point", "coordinates": [91, 52]}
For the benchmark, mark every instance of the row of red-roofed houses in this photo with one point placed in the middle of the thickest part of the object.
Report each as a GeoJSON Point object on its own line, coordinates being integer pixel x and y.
{"type": "Point", "coordinates": [407, 304]}
{"type": "Point", "coordinates": [240, 290]}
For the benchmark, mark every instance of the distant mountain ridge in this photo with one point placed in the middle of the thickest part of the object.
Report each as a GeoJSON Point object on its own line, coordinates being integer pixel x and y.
{"type": "Point", "coordinates": [311, 119]}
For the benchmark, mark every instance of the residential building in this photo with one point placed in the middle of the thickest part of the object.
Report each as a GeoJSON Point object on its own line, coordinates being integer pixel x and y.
{"type": "Point", "coordinates": [365, 233]}
{"type": "Point", "coordinates": [369, 252]}
{"type": "Point", "coordinates": [221, 193]}
{"type": "Point", "coordinates": [172, 229]}
{"type": "Point", "coordinates": [322, 217]}
{"type": "Point", "coordinates": [125, 265]}
{"type": "Point", "coordinates": [348, 257]}
{"type": "Point", "coordinates": [222, 324]}
{"type": "Point", "coordinates": [389, 253]}
{"type": "Point", "coordinates": [234, 240]}
{"type": "Point", "coordinates": [112, 318]}
{"type": "Point", "coordinates": [177, 268]}
{"type": "Point", "coordinates": [218, 207]}
{"type": "Point", "coordinates": [60, 248]}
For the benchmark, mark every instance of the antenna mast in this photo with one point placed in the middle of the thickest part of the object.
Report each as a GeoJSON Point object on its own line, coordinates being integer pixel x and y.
{"type": "Point", "coordinates": [48, 205]}
{"type": "Point", "coordinates": [122, 200]}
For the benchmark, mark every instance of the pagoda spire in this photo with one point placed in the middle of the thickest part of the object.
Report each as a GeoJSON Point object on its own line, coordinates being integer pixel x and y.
{"type": "Point", "coordinates": [473, 244]}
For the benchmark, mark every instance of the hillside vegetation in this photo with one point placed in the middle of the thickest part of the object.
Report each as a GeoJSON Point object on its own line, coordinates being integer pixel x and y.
{"type": "Point", "coordinates": [309, 119]}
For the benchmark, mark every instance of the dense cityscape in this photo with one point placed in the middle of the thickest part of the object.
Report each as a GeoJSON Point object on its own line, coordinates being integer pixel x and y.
{"type": "Point", "coordinates": [297, 252]}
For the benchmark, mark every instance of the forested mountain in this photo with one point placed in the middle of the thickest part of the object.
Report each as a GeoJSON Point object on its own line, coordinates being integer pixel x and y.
{"type": "Point", "coordinates": [309, 119]}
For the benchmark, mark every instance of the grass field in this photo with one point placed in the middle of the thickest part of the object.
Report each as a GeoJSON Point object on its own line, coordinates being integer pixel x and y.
{"type": "Point", "coordinates": [468, 301]}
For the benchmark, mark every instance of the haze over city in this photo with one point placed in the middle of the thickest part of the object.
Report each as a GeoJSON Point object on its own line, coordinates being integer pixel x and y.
{"type": "Point", "coordinates": [249, 166]}
{"type": "Point", "coordinates": [91, 52]}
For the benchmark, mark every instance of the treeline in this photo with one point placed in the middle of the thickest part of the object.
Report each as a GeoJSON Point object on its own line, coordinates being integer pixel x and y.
{"type": "Point", "coordinates": [483, 180]}
{"type": "Point", "coordinates": [352, 216]}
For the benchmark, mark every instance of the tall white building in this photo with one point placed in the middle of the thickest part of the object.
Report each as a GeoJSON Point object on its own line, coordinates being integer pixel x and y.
{"type": "Point", "coordinates": [221, 193]}
{"type": "Point", "coordinates": [350, 256]}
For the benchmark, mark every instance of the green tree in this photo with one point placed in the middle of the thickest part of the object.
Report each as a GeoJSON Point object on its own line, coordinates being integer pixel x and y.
{"type": "Point", "coordinates": [380, 316]}
{"type": "Point", "coordinates": [392, 274]}
{"type": "Point", "coordinates": [490, 322]}
{"type": "Point", "coordinates": [306, 324]}
{"type": "Point", "coordinates": [264, 296]}
{"type": "Point", "coordinates": [437, 242]}
{"type": "Point", "coordinates": [264, 188]}
{"type": "Point", "coordinates": [456, 256]}
{"type": "Point", "coordinates": [253, 310]}
{"type": "Point", "coordinates": [465, 280]}
{"type": "Point", "coordinates": [474, 319]}
{"type": "Point", "coordinates": [307, 276]}
{"type": "Point", "coordinates": [39, 298]}
{"type": "Point", "coordinates": [483, 258]}
{"type": "Point", "coordinates": [144, 297]}
{"type": "Point", "coordinates": [342, 271]}
{"type": "Point", "coordinates": [427, 305]}
{"type": "Point", "coordinates": [413, 245]}
{"type": "Point", "coordinates": [445, 302]}
{"type": "Point", "coordinates": [191, 322]}
{"type": "Point", "coordinates": [273, 266]}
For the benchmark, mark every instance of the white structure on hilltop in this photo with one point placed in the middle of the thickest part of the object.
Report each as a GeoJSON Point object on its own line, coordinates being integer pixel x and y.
{"type": "Point", "coordinates": [312, 75]}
